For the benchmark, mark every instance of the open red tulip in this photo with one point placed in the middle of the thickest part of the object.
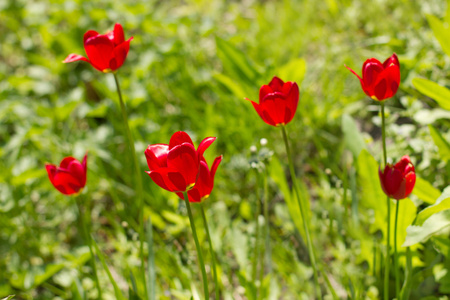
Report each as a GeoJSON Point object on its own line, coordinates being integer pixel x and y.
{"type": "Point", "coordinates": [380, 81]}
{"type": "Point", "coordinates": [277, 102]}
{"type": "Point", "coordinates": [175, 167]}
{"type": "Point", "coordinates": [397, 181]}
{"type": "Point", "coordinates": [105, 52]}
{"type": "Point", "coordinates": [205, 182]}
{"type": "Point", "coordinates": [70, 177]}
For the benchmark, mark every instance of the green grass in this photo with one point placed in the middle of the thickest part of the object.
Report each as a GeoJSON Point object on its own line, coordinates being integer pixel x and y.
{"type": "Point", "coordinates": [189, 68]}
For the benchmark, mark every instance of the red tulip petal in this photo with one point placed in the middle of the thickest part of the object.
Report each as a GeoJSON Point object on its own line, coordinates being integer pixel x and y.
{"type": "Point", "coordinates": [260, 112]}
{"type": "Point", "coordinates": [194, 195]}
{"type": "Point", "coordinates": [263, 91]}
{"type": "Point", "coordinates": [66, 183]}
{"type": "Point", "coordinates": [404, 162]}
{"type": "Point", "coordinates": [179, 138]}
{"type": "Point", "coordinates": [274, 109]}
{"type": "Point", "coordinates": [382, 180]}
{"type": "Point", "coordinates": [393, 179]}
{"type": "Point", "coordinates": [393, 60]}
{"type": "Point", "coordinates": [168, 179]}
{"type": "Point", "coordinates": [380, 89]}
{"type": "Point", "coordinates": [120, 54]}
{"type": "Point", "coordinates": [99, 50]}
{"type": "Point", "coordinates": [410, 182]}
{"type": "Point", "coordinates": [371, 69]}
{"type": "Point", "coordinates": [204, 145]}
{"type": "Point", "coordinates": [75, 57]}
{"type": "Point", "coordinates": [276, 84]}
{"type": "Point", "coordinates": [360, 79]}
{"type": "Point", "coordinates": [119, 36]}
{"type": "Point", "coordinates": [89, 34]}
{"type": "Point", "coordinates": [183, 158]}
{"type": "Point", "coordinates": [204, 184]}
{"type": "Point", "coordinates": [51, 170]}
{"type": "Point", "coordinates": [156, 156]}
{"type": "Point", "coordinates": [392, 75]}
{"type": "Point", "coordinates": [215, 165]}
{"type": "Point", "coordinates": [292, 103]}
{"type": "Point", "coordinates": [77, 170]}
{"type": "Point", "coordinates": [66, 161]}
{"type": "Point", "coordinates": [400, 193]}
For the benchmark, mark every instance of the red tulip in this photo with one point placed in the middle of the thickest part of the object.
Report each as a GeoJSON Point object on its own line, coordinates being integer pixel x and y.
{"type": "Point", "coordinates": [380, 81]}
{"type": "Point", "coordinates": [277, 102]}
{"type": "Point", "coordinates": [70, 177]}
{"type": "Point", "coordinates": [397, 181]}
{"type": "Point", "coordinates": [175, 167]}
{"type": "Point", "coordinates": [205, 181]}
{"type": "Point", "coordinates": [105, 52]}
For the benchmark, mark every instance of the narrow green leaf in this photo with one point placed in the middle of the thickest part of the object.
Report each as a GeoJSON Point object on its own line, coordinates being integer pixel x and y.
{"type": "Point", "coordinates": [425, 191]}
{"type": "Point", "coordinates": [151, 262]}
{"type": "Point", "coordinates": [278, 175]}
{"type": "Point", "coordinates": [117, 291]}
{"type": "Point", "coordinates": [441, 143]}
{"type": "Point", "coordinates": [442, 203]}
{"type": "Point", "coordinates": [441, 32]}
{"type": "Point", "coordinates": [433, 90]}
{"type": "Point", "coordinates": [9, 297]}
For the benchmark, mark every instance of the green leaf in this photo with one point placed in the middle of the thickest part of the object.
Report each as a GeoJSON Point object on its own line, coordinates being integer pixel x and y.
{"type": "Point", "coordinates": [352, 137]}
{"type": "Point", "coordinates": [277, 174]}
{"type": "Point", "coordinates": [294, 70]}
{"type": "Point", "coordinates": [441, 143]}
{"type": "Point", "coordinates": [371, 194]}
{"type": "Point", "coordinates": [433, 90]}
{"type": "Point", "coordinates": [50, 270]}
{"type": "Point", "coordinates": [432, 226]}
{"type": "Point", "coordinates": [236, 62]}
{"type": "Point", "coordinates": [117, 291]}
{"type": "Point", "coordinates": [406, 214]}
{"type": "Point", "coordinates": [441, 32]}
{"type": "Point", "coordinates": [9, 297]}
{"type": "Point", "coordinates": [442, 203]}
{"type": "Point", "coordinates": [425, 191]}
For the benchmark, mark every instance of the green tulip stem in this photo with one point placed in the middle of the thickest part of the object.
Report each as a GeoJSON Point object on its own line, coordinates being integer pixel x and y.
{"type": "Point", "coordinates": [302, 212]}
{"type": "Point", "coordinates": [397, 279]}
{"type": "Point", "coordinates": [211, 250]}
{"type": "Point", "coordinates": [387, 264]}
{"type": "Point", "coordinates": [87, 237]}
{"type": "Point", "coordinates": [140, 196]}
{"type": "Point", "coordinates": [197, 246]}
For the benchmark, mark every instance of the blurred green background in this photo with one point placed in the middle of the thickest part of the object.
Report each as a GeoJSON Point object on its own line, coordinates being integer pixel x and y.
{"type": "Point", "coordinates": [190, 65]}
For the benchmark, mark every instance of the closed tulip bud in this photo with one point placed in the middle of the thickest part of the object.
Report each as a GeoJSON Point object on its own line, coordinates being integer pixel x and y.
{"type": "Point", "coordinates": [70, 177]}
{"type": "Point", "coordinates": [105, 52]}
{"type": "Point", "coordinates": [277, 102]}
{"type": "Point", "coordinates": [397, 181]}
{"type": "Point", "coordinates": [380, 81]}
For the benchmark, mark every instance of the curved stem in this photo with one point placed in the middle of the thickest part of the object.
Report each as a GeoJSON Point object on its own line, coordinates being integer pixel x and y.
{"type": "Point", "coordinates": [211, 250]}
{"type": "Point", "coordinates": [139, 193]}
{"type": "Point", "coordinates": [397, 279]}
{"type": "Point", "coordinates": [303, 214]}
{"type": "Point", "coordinates": [197, 246]}
{"type": "Point", "coordinates": [387, 264]}
{"type": "Point", "coordinates": [87, 237]}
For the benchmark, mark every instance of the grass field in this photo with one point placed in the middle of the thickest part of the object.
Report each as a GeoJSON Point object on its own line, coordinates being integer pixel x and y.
{"type": "Point", "coordinates": [189, 68]}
